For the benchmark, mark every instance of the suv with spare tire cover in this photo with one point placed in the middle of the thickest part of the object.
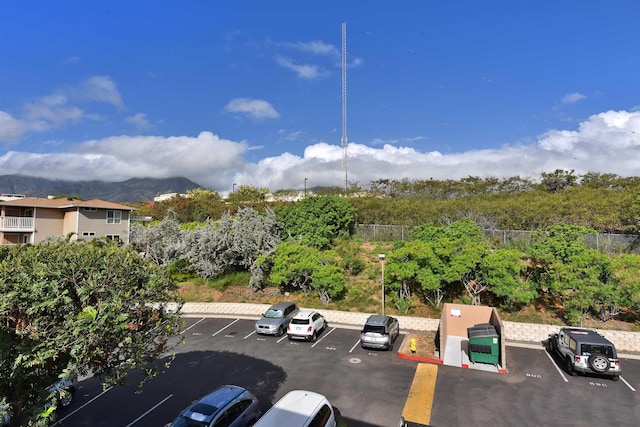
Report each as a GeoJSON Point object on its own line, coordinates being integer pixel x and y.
{"type": "Point", "coordinates": [585, 351]}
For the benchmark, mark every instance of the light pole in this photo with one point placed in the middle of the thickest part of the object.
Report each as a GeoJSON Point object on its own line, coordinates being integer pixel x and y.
{"type": "Point", "coordinates": [234, 187]}
{"type": "Point", "coordinates": [382, 258]}
{"type": "Point", "coordinates": [305, 186]}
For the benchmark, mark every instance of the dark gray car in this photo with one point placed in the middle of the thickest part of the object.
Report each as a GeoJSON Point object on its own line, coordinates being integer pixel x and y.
{"type": "Point", "coordinates": [379, 332]}
{"type": "Point", "coordinates": [275, 320]}
{"type": "Point", "coordinates": [228, 405]}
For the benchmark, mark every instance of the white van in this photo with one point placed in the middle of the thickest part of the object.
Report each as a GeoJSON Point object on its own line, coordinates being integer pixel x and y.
{"type": "Point", "coordinates": [299, 408]}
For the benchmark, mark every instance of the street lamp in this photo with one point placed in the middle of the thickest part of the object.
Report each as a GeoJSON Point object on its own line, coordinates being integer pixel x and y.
{"type": "Point", "coordinates": [305, 186]}
{"type": "Point", "coordinates": [382, 258]}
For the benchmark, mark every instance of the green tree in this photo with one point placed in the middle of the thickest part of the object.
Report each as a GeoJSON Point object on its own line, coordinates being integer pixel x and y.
{"type": "Point", "coordinates": [248, 193]}
{"type": "Point", "coordinates": [626, 269]}
{"type": "Point", "coordinates": [308, 269]}
{"type": "Point", "coordinates": [570, 271]}
{"type": "Point", "coordinates": [415, 266]}
{"type": "Point", "coordinates": [460, 248]}
{"type": "Point", "coordinates": [316, 221]}
{"type": "Point", "coordinates": [94, 307]}
{"type": "Point", "coordinates": [503, 271]}
{"type": "Point", "coordinates": [558, 180]}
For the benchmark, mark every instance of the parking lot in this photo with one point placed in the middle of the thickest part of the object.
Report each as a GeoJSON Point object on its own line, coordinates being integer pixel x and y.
{"type": "Point", "coordinates": [367, 387]}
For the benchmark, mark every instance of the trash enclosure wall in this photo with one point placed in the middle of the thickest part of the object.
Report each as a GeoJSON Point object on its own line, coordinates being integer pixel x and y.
{"type": "Point", "coordinates": [456, 318]}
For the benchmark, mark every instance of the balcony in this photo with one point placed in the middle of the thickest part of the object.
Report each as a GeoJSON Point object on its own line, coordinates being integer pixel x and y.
{"type": "Point", "coordinates": [17, 224]}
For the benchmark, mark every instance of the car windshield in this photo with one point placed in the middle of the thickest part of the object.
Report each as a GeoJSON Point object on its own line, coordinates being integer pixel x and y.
{"type": "Point", "coordinates": [300, 321]}
{"type": "Point", "coordinates": [607, 350]}
{"type": "Point", "coordinates": [374, 329]}
{"type": "Point", "coordinates": [273, 314]}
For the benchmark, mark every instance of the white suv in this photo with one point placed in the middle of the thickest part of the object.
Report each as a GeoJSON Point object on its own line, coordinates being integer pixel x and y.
{"type": "Point", "coordinates": [306, 325]}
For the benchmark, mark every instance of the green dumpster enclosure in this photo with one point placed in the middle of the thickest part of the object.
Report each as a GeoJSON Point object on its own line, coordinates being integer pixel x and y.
{"type": "Point", "coordinates": [484, 344]}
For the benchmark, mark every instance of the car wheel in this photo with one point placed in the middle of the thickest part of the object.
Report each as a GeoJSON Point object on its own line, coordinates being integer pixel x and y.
{"type": "Point", "coordinates": [314, 337]}
{"type": "Point", "coordinates": [67, 397]}
{"type": "Point", "coordinates": [280, 331]}
{"type": "Point", "coordinates": [615, 377]}
{"type": "Point", "coordinates": [599, 363]}
{"type": "Point", "coordinates": [569, 367]}
{"type": "Point", "coordinates": [550, 345]}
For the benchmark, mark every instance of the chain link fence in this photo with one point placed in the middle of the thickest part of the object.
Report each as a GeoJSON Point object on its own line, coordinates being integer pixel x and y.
{"type": "Point", "coordinates": [610, 243]}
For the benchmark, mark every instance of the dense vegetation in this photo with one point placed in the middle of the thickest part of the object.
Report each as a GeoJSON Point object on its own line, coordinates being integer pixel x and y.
{"type": "Point", "coordinates": [445, 258]}
{"type": "Point", "coordinates": [84, 307]}
{"type": "Point", "coordinates": [605, 202]}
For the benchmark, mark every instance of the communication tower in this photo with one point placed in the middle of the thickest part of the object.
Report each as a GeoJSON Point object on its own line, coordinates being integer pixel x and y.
{"type": "Point", "coordinates": [345, 142]}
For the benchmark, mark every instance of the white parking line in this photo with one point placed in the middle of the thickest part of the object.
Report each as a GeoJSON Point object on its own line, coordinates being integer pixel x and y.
{"type": "Point", "coordinates": [354, 346]}
{"type": "Point", "coordinates": [150, 410]}
{"type": "Point", "coordinates": [557, 368]}
{"type": "Point", "coordinates": [628, 385]}
{"type": "Point", "coordinates": [182, 332]}
{"type": "Point", "coordinates": [220, 330]}
{"type": "Point", "coordinates": [323, 337]}
{"type": "Point", "coordinates": [76, 410]}
{"type": "Point", "coordinates": [252, 332]}
{"type": "Point", "coordinates": [284, 337]}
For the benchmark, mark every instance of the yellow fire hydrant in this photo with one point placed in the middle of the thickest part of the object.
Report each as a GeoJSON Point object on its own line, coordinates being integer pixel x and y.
{"type": "Point", "coordinates": [413, 345]}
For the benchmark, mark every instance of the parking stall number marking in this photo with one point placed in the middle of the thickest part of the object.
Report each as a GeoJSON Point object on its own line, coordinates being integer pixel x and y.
{"type": "Point", "coordinates": [598, 384]}
{"type": "Point", "coordinates": [533, 375]}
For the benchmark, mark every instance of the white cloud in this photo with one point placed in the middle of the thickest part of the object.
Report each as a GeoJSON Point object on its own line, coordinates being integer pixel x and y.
{"type": "Point", "coordinates": [11, 129]}
{"type": "Point", "coordinates": [206, 159]}
{"type": "Point", "coordinates": [100, 89]}
{"type": "Point", "coordinates": [57, 109]}
{"type": "Point", "coordinates": [139, 121]}
{"type": "Point", "coordinates": [608, 142]}
{"type": "Point", "coordinates": [316, 47]}
{"type": "Point", "coordinates": [572, 97]}
{"type": "Point", "coordinates": [304, 71]}
{"type": "Point", "coordinates": [255, 108]}
{"type": "Point", "coordinates": [53, 109]}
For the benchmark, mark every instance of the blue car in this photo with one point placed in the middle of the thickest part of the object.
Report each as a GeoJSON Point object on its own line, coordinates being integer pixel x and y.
{"type": "Point", "coordinates": [226, 406]}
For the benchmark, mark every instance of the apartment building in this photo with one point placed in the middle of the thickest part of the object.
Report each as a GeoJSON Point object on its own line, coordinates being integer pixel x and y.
{"type": "Point", "coordinates": [32, 220]}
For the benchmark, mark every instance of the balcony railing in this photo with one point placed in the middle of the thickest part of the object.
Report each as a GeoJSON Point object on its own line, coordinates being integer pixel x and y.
{"type": "Point", "coordinates": [17, 223]}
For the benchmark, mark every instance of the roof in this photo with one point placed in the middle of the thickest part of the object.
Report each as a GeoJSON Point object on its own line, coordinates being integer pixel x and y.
{"type": "Point", "coordinates": [377, 319]}
{"type": "Point", "coordinates": [304, 314]}
{"type": "Point", "coordinates": [207, 407]}
{"type": "Point", "coordinates": [36, 202]}
{"type": "Point", "coordinates": [282, 305]}
{"type": "Point", "coordinates": [587, 335]}
{"type": "Point", "coordinates": [294, 408]}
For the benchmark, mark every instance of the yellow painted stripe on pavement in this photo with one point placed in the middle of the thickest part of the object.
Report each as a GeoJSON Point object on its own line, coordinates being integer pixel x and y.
{"type": "Point", "coordinates": [417, 408]}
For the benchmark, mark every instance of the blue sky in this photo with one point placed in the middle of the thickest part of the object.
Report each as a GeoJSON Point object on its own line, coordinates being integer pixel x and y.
{"type": "Point", "coordinates": [249, 92]}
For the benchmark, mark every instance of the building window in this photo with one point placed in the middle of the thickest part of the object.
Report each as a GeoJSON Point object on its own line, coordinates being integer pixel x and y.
{"type": "Point", "coordinates": [115, 237]}
{"type": "Point", "coordinates": [88, 233]}
{"type": "Point", "coordinates": [90, 209]}
{"type": "Point", "coordinates": [114, 217]}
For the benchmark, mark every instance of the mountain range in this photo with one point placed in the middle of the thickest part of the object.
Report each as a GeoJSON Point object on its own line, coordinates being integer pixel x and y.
{"type": "Point", "coordinates": [130, 191]}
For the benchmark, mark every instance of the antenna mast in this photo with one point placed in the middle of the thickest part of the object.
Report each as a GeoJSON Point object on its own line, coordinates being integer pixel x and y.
{"type": "Point", "coordinates": [345, 142]}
